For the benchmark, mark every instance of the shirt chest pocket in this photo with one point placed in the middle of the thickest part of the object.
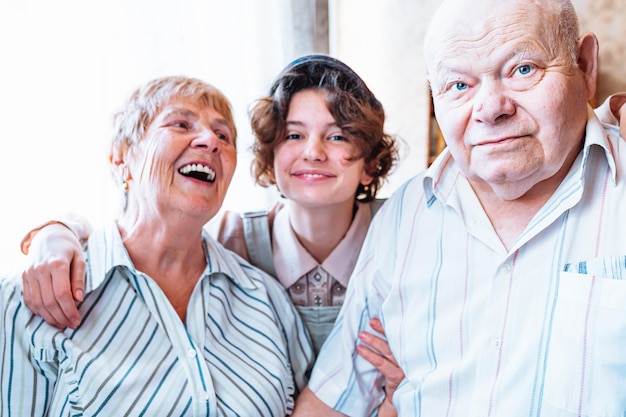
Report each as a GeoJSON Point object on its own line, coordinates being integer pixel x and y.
{"type": "Point", "coordinates": [586, 346]}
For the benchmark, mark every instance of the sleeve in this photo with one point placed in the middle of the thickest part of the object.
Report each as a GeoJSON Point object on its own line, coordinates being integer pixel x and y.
{"type": "Point", "coordinates": [341, 378]}
{"type": "Point", "coordinates": [79, 225]}
{"type": "Point", "coordinates": [24, 385]}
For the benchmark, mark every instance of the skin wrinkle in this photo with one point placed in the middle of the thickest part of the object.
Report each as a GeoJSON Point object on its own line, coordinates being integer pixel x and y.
{"type": "Point", "coordinates": [511, 142]}
{"type": "Point", "coordinates": [554, 37]}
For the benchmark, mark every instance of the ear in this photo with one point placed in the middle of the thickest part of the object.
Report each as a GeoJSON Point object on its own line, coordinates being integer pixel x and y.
{"type": "Point", "coordinates": [588, 62]}
{"type": "Point", "coordinates": [366, 179]}
{"type": "Point", "coordinates": [117, 159]}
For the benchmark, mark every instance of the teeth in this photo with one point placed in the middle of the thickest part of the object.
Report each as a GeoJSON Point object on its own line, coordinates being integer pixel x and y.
{"type": "Point", "coordinates": [193, 169]}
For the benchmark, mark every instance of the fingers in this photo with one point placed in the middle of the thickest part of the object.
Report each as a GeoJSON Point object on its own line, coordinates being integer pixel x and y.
{"type": "Point", "coordinates": [61, 297]}
{"type": "Point", "coordinates": [376, 351]}
{"type": "Point", "coordinates": [46, 294]}
{"type": "Point", "coordinates": [77, 277]}
{"type": "Point", "coordinates": [388, 368]}
{"type": "Point", "coordinates": [378, 344]}
{"type": "Point", "coordinates": [57, 266]}
{"type": "Point", "coordinates": [377, 325]}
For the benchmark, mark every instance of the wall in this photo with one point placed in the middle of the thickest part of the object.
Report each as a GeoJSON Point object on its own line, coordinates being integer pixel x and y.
{"type": "Point", "coordinates": [382, 41]}
{"type": "Point", "coordinates": [607, 19]}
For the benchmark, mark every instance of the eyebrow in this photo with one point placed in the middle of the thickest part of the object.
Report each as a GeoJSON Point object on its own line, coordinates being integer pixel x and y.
{"type": "Point", "coordinates": [182, 111]}
{"type": "Point", "coordinates": [299, 123]}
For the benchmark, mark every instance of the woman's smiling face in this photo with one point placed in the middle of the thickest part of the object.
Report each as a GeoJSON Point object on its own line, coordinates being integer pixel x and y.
{"type": "Point", "coordinates": [315, 165]}
{"type": "Point", "coordinates": [184, 162]}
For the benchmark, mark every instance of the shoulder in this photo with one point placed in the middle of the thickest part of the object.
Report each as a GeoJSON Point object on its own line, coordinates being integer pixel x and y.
{"type": "Point", "coordinates": [405, 196]}
{"type": "Point", "coordinates": [11, 287]}
{"type": "Point", "coordinates": [230, 233]}
{"type": "Point", "coordinates": [14, 312]}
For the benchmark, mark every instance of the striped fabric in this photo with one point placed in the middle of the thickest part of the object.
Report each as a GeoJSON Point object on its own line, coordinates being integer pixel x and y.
{"type": "Point", "coordinates": [539, 330]}
{"type": "Point", "coordinates": [242, 352]}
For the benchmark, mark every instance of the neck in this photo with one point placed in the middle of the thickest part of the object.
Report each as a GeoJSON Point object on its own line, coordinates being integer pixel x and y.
{"type": "Point", "coordinates": [169, 252]}
{"type": "Point", "coordinates": [510, 217]}
{"type": "Point", "coordinates": [321, 229]}
{"type": "Point", "coordinates": [511, 209]}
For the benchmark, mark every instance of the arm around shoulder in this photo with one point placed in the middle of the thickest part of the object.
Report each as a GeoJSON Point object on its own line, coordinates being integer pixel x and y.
{"type": "Point", "coordinates": [55, 276]}
{"type": "Point", "coordinates": [78, 225]}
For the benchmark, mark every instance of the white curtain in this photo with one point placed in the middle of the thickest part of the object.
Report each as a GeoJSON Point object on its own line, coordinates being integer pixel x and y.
{"type": "Point", "coordinates": [68, 64]}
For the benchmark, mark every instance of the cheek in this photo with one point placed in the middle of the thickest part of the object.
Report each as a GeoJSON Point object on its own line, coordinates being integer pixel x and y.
{"type": "Point", "coordinates": [229, 161]}
{"type": "Point", "coordinates": [280, 174]}
{"type": "Point", "coordinates": [149, 161]}
{"type": "Point", "coordinates": [453, 123]}
{"type": "Point", "coordinates": [352, 167]}
{"type": "Point", "coordinates": [454, 138]}
{"type": "Point", "coordinates": [282, 160]}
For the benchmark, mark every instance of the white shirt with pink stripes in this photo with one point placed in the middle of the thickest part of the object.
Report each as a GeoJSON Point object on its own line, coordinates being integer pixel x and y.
{"type": "Point", "coordinates": [479, 330]}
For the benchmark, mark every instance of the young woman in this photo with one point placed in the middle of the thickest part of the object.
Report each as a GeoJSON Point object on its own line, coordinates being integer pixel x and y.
{"type": "Point", "coordinates": [320, 140]}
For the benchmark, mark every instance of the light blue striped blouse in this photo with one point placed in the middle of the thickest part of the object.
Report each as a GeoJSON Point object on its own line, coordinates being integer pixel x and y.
{"type": "Point", "coordinates": [539, 330]}
{"type": "Point", "coordinates": [242, 352]}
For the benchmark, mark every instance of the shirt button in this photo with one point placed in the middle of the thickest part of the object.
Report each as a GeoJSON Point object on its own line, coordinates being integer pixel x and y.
{"type": "Point", "coordinates": [207, 397]}
{"type": "Point", "coordinates": [506, 268]}
{"type": "Point", "coordinates": [191, 353]}
{"type": "Point", "coordinates": [495, 342]}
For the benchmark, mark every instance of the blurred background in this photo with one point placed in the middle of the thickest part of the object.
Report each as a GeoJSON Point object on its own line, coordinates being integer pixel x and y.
{"type": "Point", "coordinates": [67, 65]}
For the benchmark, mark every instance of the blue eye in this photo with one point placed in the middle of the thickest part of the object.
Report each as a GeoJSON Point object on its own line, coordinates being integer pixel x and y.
{"type": "Point", "coordinates": [524, 69]}
{"type": "Point", "coordinates": [293, 136]}
{"type": "Point", "coordinates": [460, 86]}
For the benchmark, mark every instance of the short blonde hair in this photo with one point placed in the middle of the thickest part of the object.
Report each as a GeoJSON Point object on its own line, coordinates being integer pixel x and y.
{"type": "Point", "coordinates": [145, 102]}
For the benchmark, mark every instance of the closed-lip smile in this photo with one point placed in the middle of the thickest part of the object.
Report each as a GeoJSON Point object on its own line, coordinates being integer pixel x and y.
{"type": "Point", "coordinates": [498, 141]}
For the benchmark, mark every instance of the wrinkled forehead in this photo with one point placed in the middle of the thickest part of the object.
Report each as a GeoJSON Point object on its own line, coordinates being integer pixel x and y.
{"type": "Point", "coordinates": [461, 25]}
{"type": "Point", "coordinates": [199, 102]}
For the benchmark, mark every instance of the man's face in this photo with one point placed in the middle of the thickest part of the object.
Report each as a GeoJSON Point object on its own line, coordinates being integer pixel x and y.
{"type": "Point", "coordinates": [511, 104]}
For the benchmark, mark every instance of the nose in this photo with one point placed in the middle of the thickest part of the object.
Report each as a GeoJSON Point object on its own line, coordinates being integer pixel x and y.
{"type": "Point", "coordinates": [207, 139]}
{"type": "Point", "coordinates": [314, 148]}
{"type": "Point", "coordinates": [492, 103]}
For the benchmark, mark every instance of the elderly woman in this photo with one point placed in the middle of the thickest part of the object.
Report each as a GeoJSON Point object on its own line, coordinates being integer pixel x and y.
{"type": "Point", "coordinates": [173, 324]}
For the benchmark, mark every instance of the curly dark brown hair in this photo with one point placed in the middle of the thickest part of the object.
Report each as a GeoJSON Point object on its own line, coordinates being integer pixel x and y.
{"type": "Point", "coordinates": [353, 106]}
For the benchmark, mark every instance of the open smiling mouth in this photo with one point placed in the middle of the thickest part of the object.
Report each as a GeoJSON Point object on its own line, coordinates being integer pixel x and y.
{"type": "Point", "coordinates": [199, 172]}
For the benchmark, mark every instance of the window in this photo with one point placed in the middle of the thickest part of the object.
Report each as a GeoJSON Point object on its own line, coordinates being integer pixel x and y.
{"type": "Point", "coordinates": [67, 65]}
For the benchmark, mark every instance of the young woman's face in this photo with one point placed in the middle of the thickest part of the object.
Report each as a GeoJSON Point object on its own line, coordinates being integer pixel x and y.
{"type": "Point", "coordinates": [315, 164]}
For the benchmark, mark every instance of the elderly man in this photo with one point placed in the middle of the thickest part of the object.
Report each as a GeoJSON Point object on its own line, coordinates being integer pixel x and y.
{"type": "Point", "coordinates": [499, 273]}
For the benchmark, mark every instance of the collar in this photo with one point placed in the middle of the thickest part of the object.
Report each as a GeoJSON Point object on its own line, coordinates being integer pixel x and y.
{"type": "Point", "coordinates": [440, 179]}
{"type": "Point", "coordinates": [106, 253]}
{"type": "Point", "coordinates": [597, 137]}
{"type": "Point", "coordinates": [292, 260]}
